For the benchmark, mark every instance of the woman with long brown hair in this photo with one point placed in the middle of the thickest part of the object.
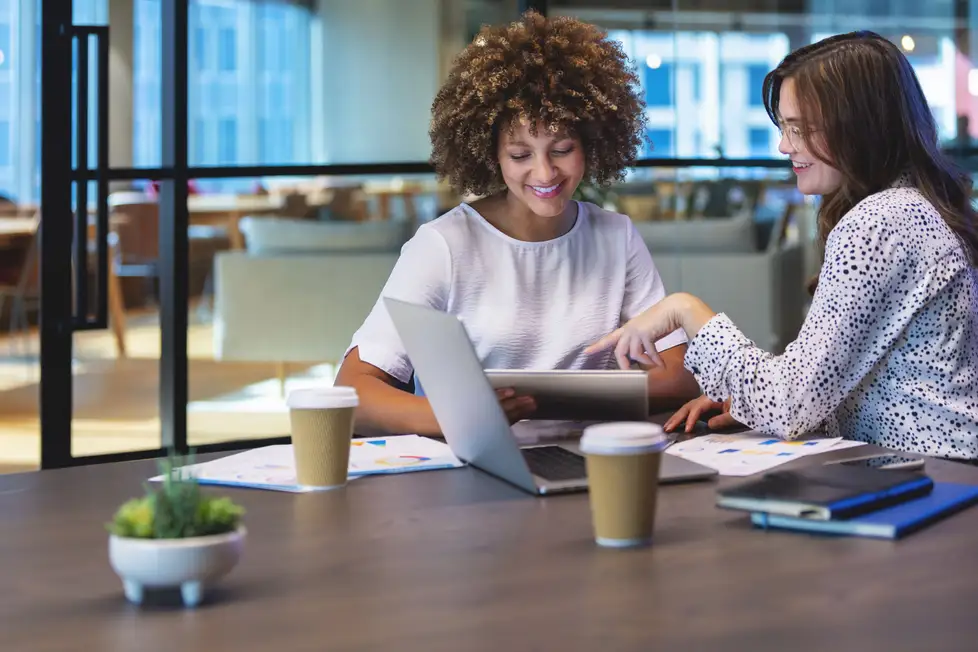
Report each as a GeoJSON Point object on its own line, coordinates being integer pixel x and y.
{"type": "Point", "coordinates": [888, 353]}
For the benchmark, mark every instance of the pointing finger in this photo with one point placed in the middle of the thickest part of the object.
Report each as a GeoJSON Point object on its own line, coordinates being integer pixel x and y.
{"type": "Point", "coordinates": [604, 343]}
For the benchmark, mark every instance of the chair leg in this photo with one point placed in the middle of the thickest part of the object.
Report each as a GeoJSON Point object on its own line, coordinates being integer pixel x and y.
{"type": "Point", "coordinates": [33, 350]}
{"type": "Point", "coordinates": [30, 351]}
{"type": "Point", "coordinates": [10, 343]}
{"type": "Point", "coordinates": [205, 309]}
{"type": "Point", "coordinates": [117, 310]}
{"type": "Point", "coordinates": [283, 372]}
{"type": "Point", "coordinates": [13, 327]}
{"type": "Point", "coordinates": [25, 327]}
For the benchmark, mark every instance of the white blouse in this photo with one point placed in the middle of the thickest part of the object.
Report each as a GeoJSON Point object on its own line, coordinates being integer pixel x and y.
{"type": "Point", "coordinates": [525, 305]}
{"type": "Point", "coordinates": [888, 354]}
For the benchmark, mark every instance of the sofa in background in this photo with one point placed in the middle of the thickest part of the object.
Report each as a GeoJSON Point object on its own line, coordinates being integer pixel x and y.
{"type": "Point", "coordinates": [301, 288]}
{"type": "Point", "coordinates": [759, 285]}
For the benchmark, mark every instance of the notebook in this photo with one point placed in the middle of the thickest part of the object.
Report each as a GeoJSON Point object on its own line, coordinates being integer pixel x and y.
{"type": "Point", "coordinates": [826, 492]}
{"type": "Point", "coordinates": [890, 523]}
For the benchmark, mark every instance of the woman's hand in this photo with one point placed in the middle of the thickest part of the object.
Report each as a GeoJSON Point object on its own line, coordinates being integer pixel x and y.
{"type": "Point", "coordinates": [516, 407]}
{"type": "Point", "coordinates": [636, 339]}
{"type": "Point", "coordinates": [692, 411]}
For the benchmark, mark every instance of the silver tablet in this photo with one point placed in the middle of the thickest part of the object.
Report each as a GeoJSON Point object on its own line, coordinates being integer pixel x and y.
{"type": "Point", "coordinates": [580, 395]}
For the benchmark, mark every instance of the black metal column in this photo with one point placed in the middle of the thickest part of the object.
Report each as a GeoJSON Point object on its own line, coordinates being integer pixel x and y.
{"type": "Point", "coordinates": [56, 234]}
{"type": "Point", "coordinates": [174, 245]}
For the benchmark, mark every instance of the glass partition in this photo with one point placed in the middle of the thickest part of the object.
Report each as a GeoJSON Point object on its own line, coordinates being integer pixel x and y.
{"type": "Point", "coordinates": [282, 269]}
{"type": "Point", "coordinates": [274, 306]}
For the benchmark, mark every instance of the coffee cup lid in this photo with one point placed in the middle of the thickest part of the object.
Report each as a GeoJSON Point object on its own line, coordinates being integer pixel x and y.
{"type": "Point", "coordinates": [623, 437]}
{"type": "Point", "coordinates": [322, 397]}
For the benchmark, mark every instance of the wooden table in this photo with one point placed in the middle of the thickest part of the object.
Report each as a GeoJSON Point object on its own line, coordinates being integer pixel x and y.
{"type": "Point", "coordinates": [457, 560]}
{"type": "Point", "coordinates": [224, 210]}
{"type": "Point", "coordinates": [15, 229]}
{"type": "Point", "coordinates": [229, 210]}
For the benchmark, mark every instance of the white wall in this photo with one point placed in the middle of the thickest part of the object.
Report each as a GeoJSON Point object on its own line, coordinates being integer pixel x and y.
{"type": "Point", "coordinates": [380, 72]}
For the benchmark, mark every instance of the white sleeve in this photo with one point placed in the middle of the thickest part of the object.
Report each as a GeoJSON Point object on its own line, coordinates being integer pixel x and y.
{"type": "Point", "coordinates": [870, 288]}
{"type": "Point", "coordinates": [643, 286]}
{"type": "Point", "coordinates": [422, 275]}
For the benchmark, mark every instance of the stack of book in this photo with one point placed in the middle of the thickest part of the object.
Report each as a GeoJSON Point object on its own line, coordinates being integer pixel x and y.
{"type": "Point", "coordinates": [854, 501]}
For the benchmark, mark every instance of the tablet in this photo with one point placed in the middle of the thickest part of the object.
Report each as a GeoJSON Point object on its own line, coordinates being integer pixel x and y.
{"type": "Point", "coordinates": [580, 395]}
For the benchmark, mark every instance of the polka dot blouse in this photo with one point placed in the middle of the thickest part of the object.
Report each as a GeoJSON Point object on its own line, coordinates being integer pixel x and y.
{"type": "Point", "coordinates": [888, 354]}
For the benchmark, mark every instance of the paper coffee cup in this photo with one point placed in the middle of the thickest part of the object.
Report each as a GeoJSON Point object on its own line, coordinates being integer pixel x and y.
{"type": "Point", "coordinates": [322, 428]}
{"type": "Point", "coordinates": [623, 461]}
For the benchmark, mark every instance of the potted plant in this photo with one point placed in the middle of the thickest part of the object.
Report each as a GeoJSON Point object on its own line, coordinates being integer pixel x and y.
{"type": "Point", "coordinates": [175, 536]}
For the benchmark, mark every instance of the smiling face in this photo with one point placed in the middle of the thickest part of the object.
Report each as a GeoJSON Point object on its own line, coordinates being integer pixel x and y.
{"type": "Point", "coordinates": [542, 171]}
{"type": "Point", "coordinates": [815, 177]}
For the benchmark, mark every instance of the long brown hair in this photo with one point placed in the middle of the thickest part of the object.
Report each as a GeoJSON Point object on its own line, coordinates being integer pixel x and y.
{"type": "Point", "coordinates": [862, 97]}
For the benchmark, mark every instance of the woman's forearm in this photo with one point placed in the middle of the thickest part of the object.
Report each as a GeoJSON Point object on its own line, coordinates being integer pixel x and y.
{"type": "Point", "coordinates": [392, 410]}
{"type": "Point", "coordinates": [672, 386]}
{"type": "Point", "coordinates": [693, 313]}
{"type": "Point", "coordinates": [384, 408]}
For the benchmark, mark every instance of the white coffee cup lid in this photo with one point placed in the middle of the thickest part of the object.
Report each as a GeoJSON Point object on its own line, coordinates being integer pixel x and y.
{"type": "Point", "coordinates": [322, 397]}
{"type": "Point", "coordinates": [623, 437]}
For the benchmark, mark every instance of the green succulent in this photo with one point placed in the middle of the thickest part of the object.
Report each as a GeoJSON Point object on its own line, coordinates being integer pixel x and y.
{"type": "Point", "coordinates": [175, 510]}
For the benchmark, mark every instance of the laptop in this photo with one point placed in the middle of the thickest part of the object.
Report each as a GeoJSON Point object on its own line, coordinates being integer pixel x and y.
{"type": "Point", "coordinates": [474, 424]}
{"type": "Point", "coordinates": [579, 395]}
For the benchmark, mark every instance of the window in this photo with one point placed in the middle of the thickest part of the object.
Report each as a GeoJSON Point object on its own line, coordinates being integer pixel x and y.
{"type": "Point", "coordinates": [662, 143]}
{"type": "Point", "coordinates": [248, 90]}
{"type": "Point", "coordinates": [226, 50]}
{"type": "Point", "coordinates": [759, 142]}
{"type": "Point", "coordinates": [755, 80]}
{"type": "Point", "coordinates": [697, 80]}
{"type": "Point", "coordinates": [272, 56]}
{"type": "Point", "coordinates": [274, 140]}
{"type": "Point", "coordinates": [5, 157]}
{"type": "Point", "coordinates": [198, 142]}
{"type": "Point", "coordinates": [20, 91]}
{"type": "Point", "coordinates": [147, 88]}
{"type": "Point", "coordinates": [266, 139]}
{"type": "Point", "coordinates": [5, 51]}
{"type": "Point", "coordinates": [227, 141]}
{"type": "Point", "coordinates": [658, 84]}
{"type": "Point", "coordinates": [199, 47]}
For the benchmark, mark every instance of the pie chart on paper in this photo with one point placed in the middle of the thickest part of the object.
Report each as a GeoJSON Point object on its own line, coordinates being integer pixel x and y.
{"type": "Point", "coordinates": [402, 460]}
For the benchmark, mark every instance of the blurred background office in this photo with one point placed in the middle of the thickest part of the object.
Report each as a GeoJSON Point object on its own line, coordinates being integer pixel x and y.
{"type": "Point", "coordinates": [306, 151]}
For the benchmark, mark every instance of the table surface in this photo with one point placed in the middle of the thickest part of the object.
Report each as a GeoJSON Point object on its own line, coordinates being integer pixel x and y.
{"type": "Point", "coordinates": [16, 225]}
{"type": "Point", "coordinates": [457, 560]}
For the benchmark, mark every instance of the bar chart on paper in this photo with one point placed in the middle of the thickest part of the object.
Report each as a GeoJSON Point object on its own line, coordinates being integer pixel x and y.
{"type": "Point", "coordinates": [273, 467]}
{"type": "Point", "coordinates": [750, 452]}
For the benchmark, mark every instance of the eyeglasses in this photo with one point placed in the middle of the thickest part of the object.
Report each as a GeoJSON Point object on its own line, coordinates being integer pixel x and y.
{"type": "Point", "coordinates": [795, 135]}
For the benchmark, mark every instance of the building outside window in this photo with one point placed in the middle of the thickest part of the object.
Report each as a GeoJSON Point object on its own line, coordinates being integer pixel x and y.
{"type": "Point", "coordinates": [250, 64]}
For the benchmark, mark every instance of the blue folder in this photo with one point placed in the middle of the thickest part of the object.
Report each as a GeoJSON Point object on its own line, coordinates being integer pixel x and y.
{"type": "Point", "coordinates": [889, 523]}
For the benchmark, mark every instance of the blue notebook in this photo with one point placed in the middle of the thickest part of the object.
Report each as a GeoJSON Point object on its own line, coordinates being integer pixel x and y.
{"type": "Point", "coordinates": [890, 523]}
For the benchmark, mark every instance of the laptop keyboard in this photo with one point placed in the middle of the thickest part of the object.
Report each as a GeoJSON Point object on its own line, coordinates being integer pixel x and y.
{"type": "Point", "coordinates": [555, 463]}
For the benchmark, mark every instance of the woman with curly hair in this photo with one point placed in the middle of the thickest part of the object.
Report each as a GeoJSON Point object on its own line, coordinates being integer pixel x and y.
{"type": "Point", "coordinates": [528, 112]}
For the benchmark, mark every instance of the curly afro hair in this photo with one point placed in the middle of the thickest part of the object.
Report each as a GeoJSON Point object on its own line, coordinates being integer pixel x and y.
{"type": "Point", "coordinates": [561, 72]}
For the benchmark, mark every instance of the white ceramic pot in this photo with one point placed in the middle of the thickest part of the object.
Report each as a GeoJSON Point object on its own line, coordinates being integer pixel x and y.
{"type": "Point", "coordinates": [168, 563]}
